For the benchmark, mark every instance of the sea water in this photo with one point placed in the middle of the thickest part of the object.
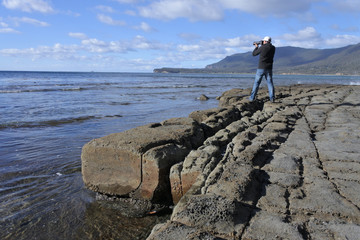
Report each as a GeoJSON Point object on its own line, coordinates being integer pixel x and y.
{"type": "Point", "coordinates": [46, 118]}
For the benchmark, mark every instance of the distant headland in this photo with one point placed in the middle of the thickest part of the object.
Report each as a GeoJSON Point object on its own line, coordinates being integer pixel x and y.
{"type": "Point", "coordinates": [288, 60]}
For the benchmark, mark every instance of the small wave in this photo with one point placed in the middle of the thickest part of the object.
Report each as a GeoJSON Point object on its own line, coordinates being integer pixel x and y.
{"type": "Point", "coordinates": [43, 90]}
{"type": "Point", "coordinates": [29, 90]}
{"type": "Point", "coordinates": [10, 91]}
{"type": "Point", "coordinates": [189, 86]}
{"type": "Point", "coordinates": [51, 123]}
{"type": "Point", "coordinates": [113, 116]}
{"type": "Point", "coordinates": [68, 120]}
{"type": "Point", "coordinates": [54, 123]}
{"type": "Point", "coordinates": [119, 103]}
{"type": "Point", "coordinates": [74, 89]}
{"type": "Point", "coordinates": [169, 87]}
{"type": "Point", "coordinates": [354, 83]}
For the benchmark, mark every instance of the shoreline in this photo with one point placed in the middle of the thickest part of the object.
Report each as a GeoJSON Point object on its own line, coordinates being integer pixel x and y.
{"type": "Point", "coordinates": [152, 72]}
{"type": "Point", "coordinates": [259, 168]}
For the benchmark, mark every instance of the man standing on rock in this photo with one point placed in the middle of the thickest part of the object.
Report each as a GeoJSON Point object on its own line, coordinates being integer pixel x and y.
{"type": "Point", "coordinates": [266, 59]}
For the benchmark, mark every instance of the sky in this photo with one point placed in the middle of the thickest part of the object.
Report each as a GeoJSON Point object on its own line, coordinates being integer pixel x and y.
{"type": "Point", "coordinates": [140, 35]}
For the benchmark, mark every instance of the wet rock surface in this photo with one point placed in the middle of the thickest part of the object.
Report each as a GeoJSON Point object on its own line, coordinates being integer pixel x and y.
{"type": "Point", "coordinates": [283, 170]}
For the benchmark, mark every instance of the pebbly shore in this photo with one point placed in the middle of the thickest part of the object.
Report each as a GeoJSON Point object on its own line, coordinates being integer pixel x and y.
{"type": "Point", "coordinates": [244, 170]}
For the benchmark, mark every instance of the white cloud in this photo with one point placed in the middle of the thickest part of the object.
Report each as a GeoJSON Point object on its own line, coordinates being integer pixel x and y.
{"type": "Point", "coordinates": [307, 38]}
{"type": "Point", "coordinates": [130, 13]}
{"type": "Point", "coordinates": [342, 40]}
{"type": "Point", "coordinates": [140, 42]}
{"type": "Point", "coordinates": [95, 45]}
{"type": "Point", "coordinates": [70, 13]}
{"type": "Point", "coordinates": [8, 30]}
{"type": "Point", "coordinates": [194, 10]}
{"type": "Point", "coordinates": [189, 36]}
{"type": "Point", "coordinates": [57, 52]}
{"type": "Point", "coordinates": [213, 10]}
{"type": "Point", "coordinates": [28, 5]}
{"type": "Point", "coordinates": [189, 47]}
{"type": "Point", "coordinates": [78, 35]}
{"type": "Point", "coordinates": [345, 29]}
{"type": "Point", "coordinates": [270, 7]}
{"type": "Point", "coordinates": [105, 8]}
{"type": "Point", "coordinates": [88, 47]}
{"type": "Point", "coordinates": [126, 1]}
{"type": "Point", "coordinates": [215, 48]}
{"type": "Point", "coordinates": [31, 21]}
{"type": "Point", "coordinates": [91, 49]}
{"type": "Point", "coordinates": [144, 27]}
{"type": "Point", "coordinates": [137, 43]}
{"type": "Point", "coordinates": [4, 27]}
{"type": "Point", "coordinates": [302, 35]}
{"type": "Point", "coordinates": [108, 20]}
{"type": "Point", "coordinates": [3, 24]}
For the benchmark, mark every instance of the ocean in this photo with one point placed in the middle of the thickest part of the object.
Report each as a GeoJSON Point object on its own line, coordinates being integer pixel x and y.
{"type": "Point", "coordinates": [46, 118]}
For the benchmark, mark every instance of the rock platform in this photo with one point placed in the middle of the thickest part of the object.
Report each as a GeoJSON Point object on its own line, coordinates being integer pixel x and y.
{"type": "Point", "coordinates": [246, 170]}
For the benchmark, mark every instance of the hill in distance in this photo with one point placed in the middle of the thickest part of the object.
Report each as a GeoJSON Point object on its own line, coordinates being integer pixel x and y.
{"type": "Point", "coordinates": [288, 60]}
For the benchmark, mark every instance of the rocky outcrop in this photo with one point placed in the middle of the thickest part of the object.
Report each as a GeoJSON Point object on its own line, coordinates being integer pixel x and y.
{"type": "Point", "coordinates": [136, 163]}
{"type": "Point", "coordinates": [288, 170]}
{"type": "Point", "coordinates": [244, 170]}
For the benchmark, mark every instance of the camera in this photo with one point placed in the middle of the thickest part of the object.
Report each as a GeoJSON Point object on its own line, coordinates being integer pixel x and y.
{"type": "Point", "coordinates": [257, 43]}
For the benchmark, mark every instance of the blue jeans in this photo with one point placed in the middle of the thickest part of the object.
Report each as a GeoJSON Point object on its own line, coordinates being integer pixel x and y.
{"type": "Point", "coordinates": [260, 73]}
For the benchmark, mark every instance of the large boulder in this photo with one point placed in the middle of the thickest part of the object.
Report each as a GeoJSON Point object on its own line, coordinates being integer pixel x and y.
{"type": "Point", "coordinates": [137, 162]}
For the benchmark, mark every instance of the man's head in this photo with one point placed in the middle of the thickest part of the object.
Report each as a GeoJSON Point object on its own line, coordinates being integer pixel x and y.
{"type": "Point", "coordinates": [266, 39]}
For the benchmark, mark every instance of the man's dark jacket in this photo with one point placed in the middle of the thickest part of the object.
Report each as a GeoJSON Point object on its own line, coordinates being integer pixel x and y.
{"type": "Point", "coordinates": [266, 59]}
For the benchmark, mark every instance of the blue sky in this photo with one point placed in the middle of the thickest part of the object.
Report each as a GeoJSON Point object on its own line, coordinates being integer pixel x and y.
{"type": "Point", "coordinates": [140, 35]}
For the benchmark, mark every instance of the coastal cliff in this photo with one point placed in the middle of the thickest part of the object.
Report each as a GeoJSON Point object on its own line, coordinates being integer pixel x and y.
{"type": "Point", "coordinates": [244, 170]}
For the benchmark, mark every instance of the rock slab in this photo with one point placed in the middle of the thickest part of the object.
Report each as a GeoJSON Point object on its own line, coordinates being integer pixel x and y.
{"type": "Point", "coordinates": [244, 170]}
{"type": "Point", "coordinates": [284, 170]}
{"type": "Point", "coordinates": [136, 162]}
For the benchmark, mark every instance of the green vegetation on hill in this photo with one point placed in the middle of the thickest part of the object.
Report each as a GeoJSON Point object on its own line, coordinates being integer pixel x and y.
{"type": "Point", "coordinates": [288, 60]}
